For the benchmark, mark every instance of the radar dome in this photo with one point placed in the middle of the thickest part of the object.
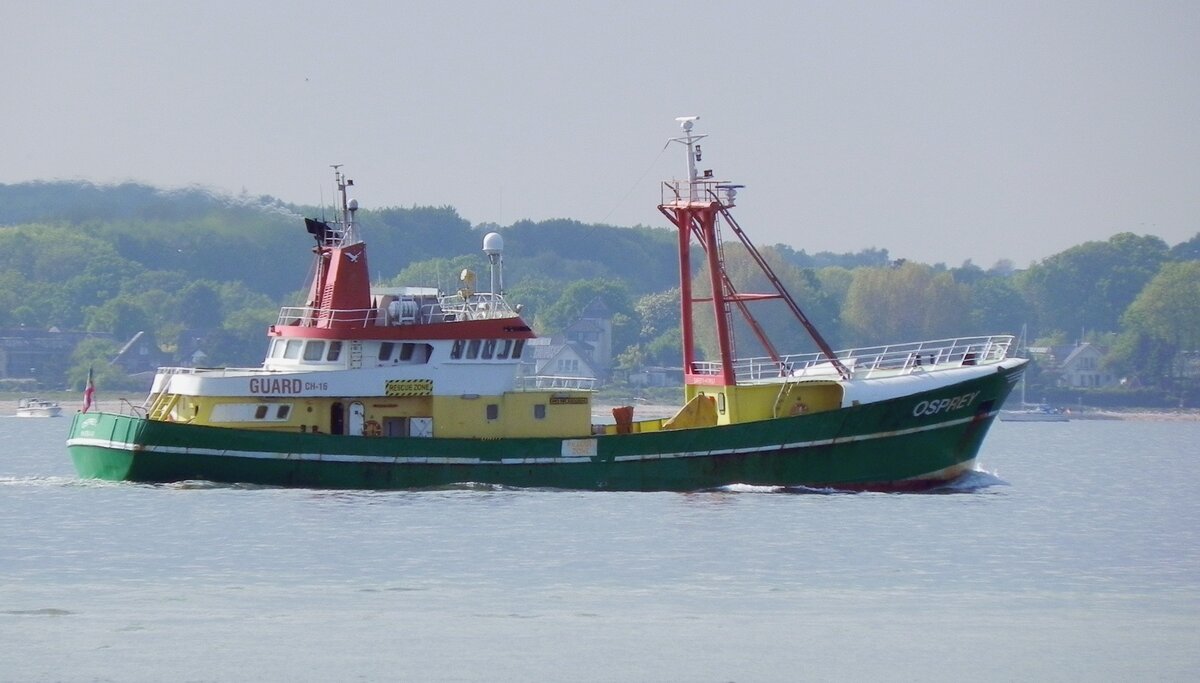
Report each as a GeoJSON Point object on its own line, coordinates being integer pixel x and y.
{"type": "Point", "coordinates": [493, 243]}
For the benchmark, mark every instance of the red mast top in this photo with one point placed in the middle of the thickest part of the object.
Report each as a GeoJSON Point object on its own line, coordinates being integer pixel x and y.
{"type": "Point", "coordinates": [695, 207]}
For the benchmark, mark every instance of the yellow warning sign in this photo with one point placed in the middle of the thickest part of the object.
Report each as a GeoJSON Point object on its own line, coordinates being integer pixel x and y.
{"type": "Point", "coordinates": [408, 387]}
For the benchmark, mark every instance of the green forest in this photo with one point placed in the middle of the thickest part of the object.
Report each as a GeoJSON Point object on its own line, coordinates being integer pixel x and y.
{"type": "Point", "coordinates": [192, 270]}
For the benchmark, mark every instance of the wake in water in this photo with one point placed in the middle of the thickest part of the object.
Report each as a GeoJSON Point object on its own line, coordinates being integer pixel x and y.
{"type": "Point", "coordinates": [974, 481]}
{"type": "Point", "coordinates": [55, 482]}
{"type": "Point", "coordinates": [971, 482]}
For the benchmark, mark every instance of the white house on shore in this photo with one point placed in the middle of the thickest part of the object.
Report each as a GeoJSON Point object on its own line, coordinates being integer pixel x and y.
{"type": "Point", "coordinates": [1080, 367]}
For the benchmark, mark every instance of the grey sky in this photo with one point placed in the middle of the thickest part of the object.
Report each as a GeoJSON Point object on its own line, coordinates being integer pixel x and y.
{"type": "Point", "coordinates": [941, 131]}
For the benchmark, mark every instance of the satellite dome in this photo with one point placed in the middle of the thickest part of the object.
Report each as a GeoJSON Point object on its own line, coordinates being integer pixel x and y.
{"type": "Point", "coordinates": [493, 243]}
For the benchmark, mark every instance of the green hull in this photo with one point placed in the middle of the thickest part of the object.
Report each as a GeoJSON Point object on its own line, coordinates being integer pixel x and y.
{"type": "Point", "coordinates": [908, 443]}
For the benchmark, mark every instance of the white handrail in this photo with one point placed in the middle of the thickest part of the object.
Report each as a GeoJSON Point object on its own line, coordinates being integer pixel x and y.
{"type": "Point", "coordinates": [476, 306]}
{"type": "Point", "coordinates": [924, 356]}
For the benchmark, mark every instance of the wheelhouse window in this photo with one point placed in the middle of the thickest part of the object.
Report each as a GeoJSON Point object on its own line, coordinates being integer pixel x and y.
{"type": "Point", "coordinates": [335, 350]}
{"type": "Point", "coordinates": [473, 348]}
{"type": "Point", "coordinates": [277, 348]}
{"type": "Point", "coordinates": [406, 351]}
{"type": "Point", "coordinates": [385, 350]}
{"type": "Point", "coordinates": [505, 347]}
{"type": "Point", "coordinates": [457, 350]}
{"type": "Point", "coordinates": [518, 348]}
{"type": "Point", "coordinates": [313, 350]}
{"type": "Point", "coordinates": [293, 349]}
{"type": "Point", "coordinates": [489, 348]}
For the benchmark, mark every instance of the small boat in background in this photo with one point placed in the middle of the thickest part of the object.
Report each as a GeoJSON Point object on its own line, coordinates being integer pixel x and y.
{"type": "Point", "coordinates": [36, 407]}
{"type": "Point", "coordinates": [1035, 413]}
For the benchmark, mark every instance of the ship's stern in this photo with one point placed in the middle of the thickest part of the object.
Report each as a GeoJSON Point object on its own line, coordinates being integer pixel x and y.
{"type": "Point", "coordinates": [103, 445]}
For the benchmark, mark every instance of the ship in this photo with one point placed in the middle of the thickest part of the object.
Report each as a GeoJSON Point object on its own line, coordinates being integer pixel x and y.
{"type": "Point", "coordinates": [372, 387]}
{"type": "Point", "coordinates": [37, 407]}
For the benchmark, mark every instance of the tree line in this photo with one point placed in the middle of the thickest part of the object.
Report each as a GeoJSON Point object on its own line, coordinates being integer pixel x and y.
{"type": "Point", "coordinates": [190, 268]}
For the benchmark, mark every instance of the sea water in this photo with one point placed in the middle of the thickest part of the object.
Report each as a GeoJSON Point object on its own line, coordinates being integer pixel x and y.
{"type": "Point", "coordinates": [1074, 554]}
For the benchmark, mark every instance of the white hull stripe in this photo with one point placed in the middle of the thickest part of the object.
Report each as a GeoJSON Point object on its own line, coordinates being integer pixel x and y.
{"type": "Point", "coordinates": [440, 460]}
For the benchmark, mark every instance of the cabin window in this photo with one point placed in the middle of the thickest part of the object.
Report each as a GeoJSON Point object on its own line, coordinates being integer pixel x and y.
{"type": "Point", "coordinates": [489, 348]}
{"type": "Point", "coordinates": [473, 348]}
{"type": "Point", "coordinates": [518, 348]}
{"type": "Point", "coordinates": [314, 350]}
{"type": "Point", "coordinates": [539, 411]}
{"type": "Point", "coordinates": [293, 348]}
{"type": "Point", "coordinates": [247, 412]}
{"type": "Point", "coordinates": [335, 350]}
{"type": "Point", "coordinates": [277, 348]}
{"type": "Point", "coordinates": [505, 347]}
{"type": "Point", "coordinates": [493, 411]}
{"type": "Point", "coordinates": [406, 351]}
{"type": "Point", "coordinates": [457, 350]}
{"type": "Point", "coordinates": [385, 350]}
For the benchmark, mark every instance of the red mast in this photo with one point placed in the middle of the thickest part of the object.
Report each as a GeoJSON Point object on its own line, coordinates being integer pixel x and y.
{"type": "Point", "coordinates": [696, 206]}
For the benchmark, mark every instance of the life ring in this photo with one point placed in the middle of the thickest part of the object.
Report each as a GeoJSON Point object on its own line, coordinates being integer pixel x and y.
{"type": "Point", "coordinates": [372, 428]}
{"type": "Point", "coordinates": [799, 409]}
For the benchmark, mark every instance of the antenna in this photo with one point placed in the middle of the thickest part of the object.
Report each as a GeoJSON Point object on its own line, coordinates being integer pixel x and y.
{"type": "Point", "coordinates": [692, 143]}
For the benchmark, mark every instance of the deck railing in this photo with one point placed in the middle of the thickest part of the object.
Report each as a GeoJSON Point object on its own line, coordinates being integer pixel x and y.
{"type": "Point", "coordinates": [701, 190]}
{"type": "Point", "coordinates": [533, 382]}
{"type": "Point", "coordinates": [863, 363]}
{"type": "Point", "coordinates": [476, 306]}
{"type": "Point", "coordinates": [307, 316]}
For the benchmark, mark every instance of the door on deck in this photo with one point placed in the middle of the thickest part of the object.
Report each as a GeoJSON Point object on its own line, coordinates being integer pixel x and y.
{"type": "Point", "coordinates": [421, 426]}
{"type": "Point", "coordinates": [354, 422]}
{"type": "Point", "coordinates": [337, 418]}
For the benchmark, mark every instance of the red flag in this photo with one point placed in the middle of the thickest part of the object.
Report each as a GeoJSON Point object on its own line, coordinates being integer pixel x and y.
{"type": "Point", "coordinates": [88, 390]}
